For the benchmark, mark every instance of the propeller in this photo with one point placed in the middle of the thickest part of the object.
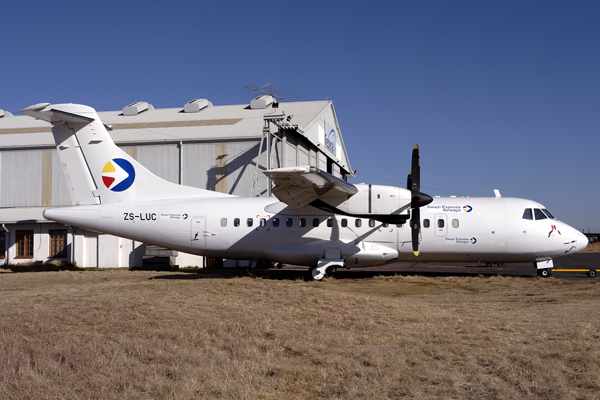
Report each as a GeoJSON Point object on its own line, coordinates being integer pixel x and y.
{"type": "Point", "coordinates": [417, 198]}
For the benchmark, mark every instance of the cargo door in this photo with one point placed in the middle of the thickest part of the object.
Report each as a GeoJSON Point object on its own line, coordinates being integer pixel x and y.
{"type": "Point", "coordinates": [198, 232]}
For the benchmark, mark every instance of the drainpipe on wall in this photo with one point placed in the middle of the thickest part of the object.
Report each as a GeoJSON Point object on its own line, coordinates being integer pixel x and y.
{"type": "Point", "coordinates": [6, 247]}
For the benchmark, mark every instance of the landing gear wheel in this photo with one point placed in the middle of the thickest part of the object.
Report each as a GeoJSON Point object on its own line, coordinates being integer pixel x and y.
{"type": "Point", "coordinates": [591, 273]}
{"type": "Point", "coordinates": [544, 273]}
{"type": "Point", "coordinates": [330, 271]}
{"type": "Point", "coordinates": [279, 265]}
{"type": "Point", "coordinates": [314, 274]}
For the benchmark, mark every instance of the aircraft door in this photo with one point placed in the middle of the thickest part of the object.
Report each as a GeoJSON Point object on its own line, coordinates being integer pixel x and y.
{"type": "Point", "coordinates": [441, 225]}
{"type": "Point", "coordinates": [198, 233]}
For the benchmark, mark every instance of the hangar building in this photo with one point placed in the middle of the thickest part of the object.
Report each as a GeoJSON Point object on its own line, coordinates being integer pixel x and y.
{"type": "Point", "coordinates": [221, 148]}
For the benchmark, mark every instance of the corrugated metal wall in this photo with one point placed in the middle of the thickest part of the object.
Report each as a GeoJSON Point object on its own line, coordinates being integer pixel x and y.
{"type": "Point", "coordinates": [21, 182]}
{"type": "Point", "coordinates": [162, 160]}
{"type": "Point", "coordinates": [30, 178]}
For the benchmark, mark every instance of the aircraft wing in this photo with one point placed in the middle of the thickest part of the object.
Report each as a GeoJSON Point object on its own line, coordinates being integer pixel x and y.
{"type": "Point", "coordinates": [299, 186]}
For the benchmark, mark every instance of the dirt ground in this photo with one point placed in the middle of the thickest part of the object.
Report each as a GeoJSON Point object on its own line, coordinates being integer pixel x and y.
{"type": "Point", "coordinates": [121, 334]}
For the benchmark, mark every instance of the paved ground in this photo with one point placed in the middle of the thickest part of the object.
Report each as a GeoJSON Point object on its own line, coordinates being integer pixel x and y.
{"type": "Point", "coordinates": [585, 261]}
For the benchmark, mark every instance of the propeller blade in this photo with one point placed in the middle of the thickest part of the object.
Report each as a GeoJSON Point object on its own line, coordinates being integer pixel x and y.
{"type": "Point", "coordinates": [415, 226]}
{"type": "Point", "coordinates": [417, 199]}
{"type": "Point", "coordinates": [415, 170]}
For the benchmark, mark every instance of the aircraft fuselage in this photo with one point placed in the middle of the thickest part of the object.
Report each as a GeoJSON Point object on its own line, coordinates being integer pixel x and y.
{"type": "Point", "coordinates": [462, 229]}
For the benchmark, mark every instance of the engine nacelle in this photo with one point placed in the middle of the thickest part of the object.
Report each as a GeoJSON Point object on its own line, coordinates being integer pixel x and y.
{"type": "Point", "coordinates": [377, 199]}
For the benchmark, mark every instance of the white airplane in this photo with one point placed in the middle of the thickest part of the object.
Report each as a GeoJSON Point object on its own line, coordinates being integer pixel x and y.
{"type": "Point", "coordinates": [319, 220]}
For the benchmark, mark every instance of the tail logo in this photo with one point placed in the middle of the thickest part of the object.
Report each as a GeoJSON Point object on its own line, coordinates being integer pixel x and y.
{"type": "Point", "coordinates": [118, 175]}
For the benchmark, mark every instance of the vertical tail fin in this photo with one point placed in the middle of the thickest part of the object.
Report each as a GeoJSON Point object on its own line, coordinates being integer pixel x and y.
{"type": "Point", "coordinates": [96, 170]}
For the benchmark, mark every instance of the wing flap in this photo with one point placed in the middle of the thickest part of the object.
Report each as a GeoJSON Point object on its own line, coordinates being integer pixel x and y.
{"type": "Point", "coordinates": [299, 186]}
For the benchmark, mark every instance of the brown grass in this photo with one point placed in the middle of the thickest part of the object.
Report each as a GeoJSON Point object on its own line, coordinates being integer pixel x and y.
{"type": "Point", "coordinates": [592, 248]}
{"type": "Point", "coordinates": [121, 335]}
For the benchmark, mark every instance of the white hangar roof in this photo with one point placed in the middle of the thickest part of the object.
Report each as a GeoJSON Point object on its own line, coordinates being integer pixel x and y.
{"type": "Point", "coordinates": [212, 123]}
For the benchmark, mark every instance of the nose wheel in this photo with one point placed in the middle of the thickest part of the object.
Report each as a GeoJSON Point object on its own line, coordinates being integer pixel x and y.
{"type": "Point", "coordinates": [544, 273]}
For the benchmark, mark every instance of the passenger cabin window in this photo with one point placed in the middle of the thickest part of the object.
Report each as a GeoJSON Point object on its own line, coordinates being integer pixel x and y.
{"type": "Point", "coordinates": [344, 223]}
{"type": "Point", "coordinates": [302, 222]}
{"type": "Point", "coordinates": [539, 214]}
{"type": "Point", "coordinates": [455, 223]}
{"type": "Point", "coordinates": [289, 222]}
{"type": "Point", "coordinates": [236, 222]}
{"type": "Point", "coordinates": [329, 222]}
{"type": "Point", "coordinates": [315, 222]}
{"type": "Point", "coordinates": [372, 223]}
{"type": "Point", "coordinates": [223, 222]}
{"type": "Point", "coordinates": [263, 222]}
{"type": "Point", "coordinates": [358, 223]}
{"type": "Point", "coordinates": [275, 222]}
{"type": "Point", "coordinates": [440, 223]}
{"type": "Point", "coordinates": [527, 214]}
{"type": "Point", "coordinates": [385, 224]}
{"type": "Point", "coordinates": [426, 223]}
{"type": "Point", "coordinates": [250, 222]}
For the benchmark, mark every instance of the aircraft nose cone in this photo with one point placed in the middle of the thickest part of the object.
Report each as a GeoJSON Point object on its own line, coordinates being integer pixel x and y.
{"type": "Point", "coordinates": [582, 241]}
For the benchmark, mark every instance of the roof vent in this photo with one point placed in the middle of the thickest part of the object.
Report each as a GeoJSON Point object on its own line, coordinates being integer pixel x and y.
{"type": "Point", "coordinates": [5, 114]}
{"type": "Point", "coordinates": [196, 105]}
{"type": "Point", "coordinates": [261, 101]}
{"type": "Point", "coordinates": [136, 108]}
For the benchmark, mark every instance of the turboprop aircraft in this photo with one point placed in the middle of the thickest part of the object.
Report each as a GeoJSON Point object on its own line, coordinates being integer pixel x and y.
{"type": "Point", "coordinates": [318, 220]}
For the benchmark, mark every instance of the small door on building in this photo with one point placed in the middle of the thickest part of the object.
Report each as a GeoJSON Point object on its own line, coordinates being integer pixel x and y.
{"type": "Point", "coordinates": [441, 225]}
{"type": "Point", "coordinates": [198, 232]}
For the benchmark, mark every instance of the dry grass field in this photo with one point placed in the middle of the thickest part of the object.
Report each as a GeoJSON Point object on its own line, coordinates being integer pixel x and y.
{"type": "Point", "coordinates": [136, 334]}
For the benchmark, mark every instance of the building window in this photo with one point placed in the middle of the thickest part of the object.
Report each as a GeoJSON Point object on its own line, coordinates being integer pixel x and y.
{"type": "Point", "coordinates": [2, 244]}
{"type": "Point", "coordinates": [58, 243]}
{"type": "Point", "coordinates": [24, 241]}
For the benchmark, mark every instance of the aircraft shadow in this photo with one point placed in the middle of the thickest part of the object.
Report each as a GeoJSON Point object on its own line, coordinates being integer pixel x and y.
{"type": "Point", "coordinates": [301, 274]}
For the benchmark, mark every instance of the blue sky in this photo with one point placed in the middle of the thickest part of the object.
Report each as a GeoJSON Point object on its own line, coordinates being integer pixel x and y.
{"type": "Point", "coordinates": [498, 94]}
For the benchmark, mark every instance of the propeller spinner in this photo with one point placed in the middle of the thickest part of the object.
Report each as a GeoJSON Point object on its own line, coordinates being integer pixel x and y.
{"type": "Point", "coordinates": [418, 199]}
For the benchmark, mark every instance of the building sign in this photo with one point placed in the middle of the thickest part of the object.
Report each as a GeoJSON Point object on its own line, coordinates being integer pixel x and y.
{"type": "Point", "coordinates": [330, 138]}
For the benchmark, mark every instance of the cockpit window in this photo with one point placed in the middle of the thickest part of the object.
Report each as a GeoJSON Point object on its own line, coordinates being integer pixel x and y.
{"type": "Point", "coordinates": [549, 214]}
{"type": "Point", "coordinates": [527, 214]}
{"type": "Point", "coordinates": [539, 214]}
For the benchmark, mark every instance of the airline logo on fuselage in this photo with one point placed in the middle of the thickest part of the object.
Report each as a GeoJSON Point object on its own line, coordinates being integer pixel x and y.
{"type": "Point", "coordinates": [118, 174]}
{"type": "Point", "coordinates": [449, 209]}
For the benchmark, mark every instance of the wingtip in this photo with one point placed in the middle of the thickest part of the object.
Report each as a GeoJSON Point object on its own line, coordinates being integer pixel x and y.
{"type": "Point", "coordinates": [416, 253]}
{"type": "Point", "coordinates": [416, 147]}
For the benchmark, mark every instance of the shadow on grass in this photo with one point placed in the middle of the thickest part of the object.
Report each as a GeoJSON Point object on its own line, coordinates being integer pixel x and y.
{"type": "Point", "coordinates": [302, 273]}
{"type": "Point", "coordinates": [41, 267]}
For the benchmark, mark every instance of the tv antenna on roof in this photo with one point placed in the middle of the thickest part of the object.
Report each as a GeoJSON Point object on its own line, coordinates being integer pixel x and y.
{"type": "Point", "coordinates": [270, 92]}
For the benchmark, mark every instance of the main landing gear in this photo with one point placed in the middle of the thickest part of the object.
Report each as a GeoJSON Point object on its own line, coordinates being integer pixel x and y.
{"type": "Point", "coordinates": [323, 269]}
